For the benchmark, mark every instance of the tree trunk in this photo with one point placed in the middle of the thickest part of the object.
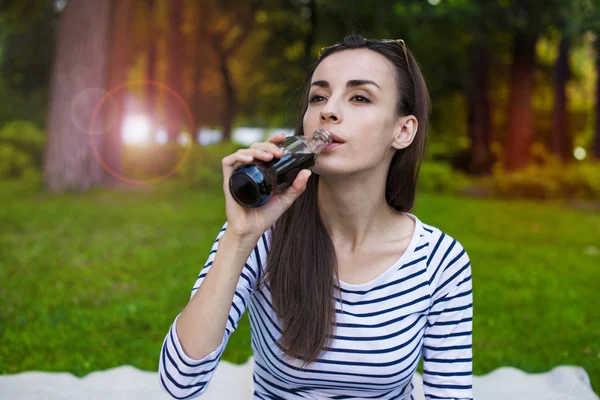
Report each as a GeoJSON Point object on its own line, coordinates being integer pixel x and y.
{"type": "Point", "coordinates": [481, 161]}
{"type": "Point", "coordinates": [200, 55]}
{"type": "Point", "coordinates": [519, 124]}
{"type": "Point", "coordinates": [230, 100]}
{"type": "Point", "coordinates": [175, 64]}
{"type": "Point", "coordinates": [560, 139]}
{"type": "Point", "coordinates": [596, 148]}
{"type": "Point", "coordinates": [120, 59]}
{"type": "Point", "coordinates": [245, 19]}
{"type": "Point", "coordinates": [80, 64]}
{"type": "Point", "coordinates": [310, 38]}
{"type": "Point", "coordinates": [151, 92]}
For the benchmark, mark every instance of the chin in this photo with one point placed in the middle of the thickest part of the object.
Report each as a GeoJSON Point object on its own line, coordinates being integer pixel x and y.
{"type": "Point", "coordinates": [330, 170]}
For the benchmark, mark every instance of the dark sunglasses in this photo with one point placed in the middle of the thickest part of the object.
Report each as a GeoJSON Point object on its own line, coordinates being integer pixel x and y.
{"type": "Point", "coordinates": [398, 41]}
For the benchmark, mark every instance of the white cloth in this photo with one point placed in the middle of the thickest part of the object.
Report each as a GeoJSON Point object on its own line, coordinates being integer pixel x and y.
{"type": "Point", "coordinates": [235, 382]}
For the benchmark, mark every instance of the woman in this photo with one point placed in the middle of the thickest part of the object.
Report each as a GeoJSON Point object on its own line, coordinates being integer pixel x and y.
{"type": "Point", "coordinates": [345, 288]}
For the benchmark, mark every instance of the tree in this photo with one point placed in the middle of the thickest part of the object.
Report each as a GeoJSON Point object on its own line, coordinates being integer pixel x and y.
{"type": "Point", "coordinates": [596, 145]}
{"type": "Point", "coordinates": [120, 60]}
{"type": "Point", "coordinates": [519, 129]}
{"type": "Point", "coordinates": [560, 143]}
{"type": "Point", "coordinates": [480, 122]}
{"type": "Point", "coordinates": [27, 37]}
{"type": "Point", "coordinates": [199, 63]}
{"type": "Point", "coordinates": [80, 63]}
{"type": "Point", "coordinates": [571, 21]}
{"type": "Point", "coordinates": [460, 68]}
{"type": "Point", "coordinates": [309, 38]}
{"type": "Point", "coordinates": [174, 67]}
{"type": "Point", "coordinates": [231, 25]}
{"type": "Point", "coordinates": [592, 22]}
{"type": "Point", "coordinates": [529, 20]}
{"type": "Point", "coordinates": [151, 95]}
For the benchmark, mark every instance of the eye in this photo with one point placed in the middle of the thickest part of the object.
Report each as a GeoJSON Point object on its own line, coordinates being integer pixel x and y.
{"type": "Point", "coordinates": [361, 99]}
{"type": "Point", "coordinates": [315, 98]}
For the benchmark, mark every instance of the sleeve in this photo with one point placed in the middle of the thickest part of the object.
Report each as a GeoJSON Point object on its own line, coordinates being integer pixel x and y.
{"type": "Point", "coordinates": [183, 377]}
{"type": "Point", "coordinates": [448, 337]}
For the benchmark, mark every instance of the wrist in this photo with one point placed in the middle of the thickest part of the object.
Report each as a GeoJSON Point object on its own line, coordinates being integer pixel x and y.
{"type": "Point", "coordinates": [242, 242]}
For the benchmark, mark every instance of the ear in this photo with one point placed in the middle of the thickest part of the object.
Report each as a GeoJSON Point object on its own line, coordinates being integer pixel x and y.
{"type": "Point", "coordinates": [404, 131]}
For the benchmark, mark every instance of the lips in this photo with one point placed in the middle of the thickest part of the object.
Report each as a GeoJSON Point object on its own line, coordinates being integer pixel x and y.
{"type": "Point", "coordinates": [336, 139]}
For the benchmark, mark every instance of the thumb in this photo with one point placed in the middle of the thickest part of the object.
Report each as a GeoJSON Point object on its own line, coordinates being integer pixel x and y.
{"type": "Point", "coordinates": [298, 186]}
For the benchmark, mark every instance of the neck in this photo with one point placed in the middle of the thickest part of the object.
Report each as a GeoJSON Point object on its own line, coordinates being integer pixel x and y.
{"type": "Point", "coordinates": [353, 208]}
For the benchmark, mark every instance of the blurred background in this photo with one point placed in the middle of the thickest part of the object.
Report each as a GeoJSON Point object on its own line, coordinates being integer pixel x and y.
{"type": "Point", "coordinates": [115, 115]}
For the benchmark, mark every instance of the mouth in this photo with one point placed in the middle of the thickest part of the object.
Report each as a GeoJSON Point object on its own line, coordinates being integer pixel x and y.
{"type": "Point", "coordinates": [332, 146]}
{"type": "Point", "coordinates": [336, 139]}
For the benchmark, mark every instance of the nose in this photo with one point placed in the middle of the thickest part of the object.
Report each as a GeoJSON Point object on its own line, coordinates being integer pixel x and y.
{"type": "Point", "coordinates": [329, 115]}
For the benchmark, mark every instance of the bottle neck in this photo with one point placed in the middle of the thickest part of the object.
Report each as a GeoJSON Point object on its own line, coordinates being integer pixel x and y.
{"type": "Point", "coordinates": [306, 145]}
{"type": "Point", "coordinates": [320, 140]}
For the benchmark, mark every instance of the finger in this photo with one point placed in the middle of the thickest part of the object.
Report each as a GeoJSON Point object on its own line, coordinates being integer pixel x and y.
{"type": "Point", "coordinates": [239, 156]}
{"type": "Point", "coordinates": [272, 148]}
{"type": "Point", "coordinates": [262, 153]}
{"type": "Point", "coordinates": [280, 137]}
{"type": "Point", "coordinates": [245, 156]}
{"type": "Point", "coordinates": [297, 187]}
{"type": "Point", "coordinates": [302, 179]}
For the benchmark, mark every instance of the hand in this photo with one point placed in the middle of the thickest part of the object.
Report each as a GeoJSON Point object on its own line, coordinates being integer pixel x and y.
{"type": "Point", "coordinates": [253, 222]}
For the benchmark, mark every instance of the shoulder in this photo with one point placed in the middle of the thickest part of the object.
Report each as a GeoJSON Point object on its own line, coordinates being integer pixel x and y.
{"type": "Point", "coordinates": [444, 254]}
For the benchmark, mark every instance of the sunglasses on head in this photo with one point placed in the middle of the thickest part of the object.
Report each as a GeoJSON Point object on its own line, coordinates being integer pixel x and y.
{"type": "Point", "coordinates": [398, 41]}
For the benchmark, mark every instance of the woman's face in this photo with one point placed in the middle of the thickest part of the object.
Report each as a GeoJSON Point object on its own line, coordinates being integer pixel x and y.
{"type": "Point", "coordinates": [353, 95]}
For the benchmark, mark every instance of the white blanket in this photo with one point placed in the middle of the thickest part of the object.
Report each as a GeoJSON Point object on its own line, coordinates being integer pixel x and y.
{"type": "Point", "coordinates": [235, 382]}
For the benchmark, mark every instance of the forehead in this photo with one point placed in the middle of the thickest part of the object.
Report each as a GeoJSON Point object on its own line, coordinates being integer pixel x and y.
{"type": "Point", "coordinates": [348, 64]}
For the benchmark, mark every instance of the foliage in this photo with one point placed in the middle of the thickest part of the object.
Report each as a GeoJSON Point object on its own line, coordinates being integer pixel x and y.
{"type": "Point", "coordinates": [439, 177]}
{"type": "Point", "coordinates": [281, 43]}
{"type": "Point", "coordinates": [15, 105]}
{"type": "Point", "coordinates": [24, 137]}
{"type": "Point", "coordinates": [14, 163]}
{"type": "Point", "coordinates": [203, 168]}
{"type": "Point", "coordinates": [26, 57]}
{"type": "Point", "coordinates": [576, 180]}
{"type": "Point", "coordinates": [26, 40]}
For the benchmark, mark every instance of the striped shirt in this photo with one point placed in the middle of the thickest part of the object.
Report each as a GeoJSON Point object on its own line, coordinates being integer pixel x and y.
{"type": "Point", "coordinates": [421, 306]}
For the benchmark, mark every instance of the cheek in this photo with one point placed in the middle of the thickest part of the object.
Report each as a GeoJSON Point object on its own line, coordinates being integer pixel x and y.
{"type": "Point", "coordinates": [375, 138]}
{"type": "Point", "coordinates": [374, 147]}
{"type": "Point", "coordinates": [310, 117]}
{"type": "Point", "coordinates": [307, 125]}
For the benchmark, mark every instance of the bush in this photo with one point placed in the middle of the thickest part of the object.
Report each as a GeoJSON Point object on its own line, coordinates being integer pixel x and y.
{"type": "Point", "coordinates": [525, 185]}
{"type": "Point", "coordinates": [202, 169]}
{"type": "Point", "coordinates": [15, 163]}
{"type": "Point", "coordinates": [552, 180]}
{"type": "Point", "coordinates": [439, 177]}
{"type": "Point", "coordinates": [27, 138]}
{"type": "Point", "coordinates": [589, 173]}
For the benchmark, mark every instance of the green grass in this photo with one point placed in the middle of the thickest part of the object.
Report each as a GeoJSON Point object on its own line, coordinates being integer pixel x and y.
{"type": "Point", "coordinates": [93, 281]}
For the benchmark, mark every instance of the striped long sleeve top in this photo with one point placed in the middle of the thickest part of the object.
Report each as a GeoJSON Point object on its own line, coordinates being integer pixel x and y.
{"type": "Point", "coordinates": [420, 307]}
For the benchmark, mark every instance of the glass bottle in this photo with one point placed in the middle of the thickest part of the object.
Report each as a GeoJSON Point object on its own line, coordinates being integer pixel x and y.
{"type": "Point", "coordinates": [253, 184]}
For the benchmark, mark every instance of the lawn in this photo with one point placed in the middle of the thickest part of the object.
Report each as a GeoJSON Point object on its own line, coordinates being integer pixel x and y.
{"type": "Point", "coordinates": [93, 281]}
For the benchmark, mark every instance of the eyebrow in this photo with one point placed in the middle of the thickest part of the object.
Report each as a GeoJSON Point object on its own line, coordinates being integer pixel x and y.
{"type": "Point", "coordinates": [350, 83]}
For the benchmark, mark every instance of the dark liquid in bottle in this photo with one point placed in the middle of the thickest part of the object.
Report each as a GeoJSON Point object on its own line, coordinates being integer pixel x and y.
{"type": "Point", "coordinates": [252, 184]}
{"type": "Point", "coordinates": [287, 167]}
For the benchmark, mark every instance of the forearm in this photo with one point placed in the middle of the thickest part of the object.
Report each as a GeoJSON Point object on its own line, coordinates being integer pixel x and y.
{"type": "Point", "coordinates": [201, 325]}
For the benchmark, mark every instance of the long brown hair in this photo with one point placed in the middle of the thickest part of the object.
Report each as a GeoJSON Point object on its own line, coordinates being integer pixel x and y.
{"type": "Point", "coordinates": [301, 265]}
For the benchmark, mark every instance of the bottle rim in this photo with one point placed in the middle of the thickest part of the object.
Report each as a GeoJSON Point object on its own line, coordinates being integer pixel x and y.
{"type": "Point", "coordinates": [324, 135]}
